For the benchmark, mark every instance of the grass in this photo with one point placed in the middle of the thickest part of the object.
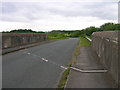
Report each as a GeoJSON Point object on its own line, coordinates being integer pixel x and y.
{"type": "Point", "coordinates": [64, 78]}
{"type": "Point", "coordinates": [90, 37]}
{"type": "Point", "coordinates": [65, 74]}
{"type": "Point", "coordinates": [84, 42]}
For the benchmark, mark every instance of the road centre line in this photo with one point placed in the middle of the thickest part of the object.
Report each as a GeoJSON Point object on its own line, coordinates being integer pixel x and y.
{"type": "Point", "coordinates": [73, 68]}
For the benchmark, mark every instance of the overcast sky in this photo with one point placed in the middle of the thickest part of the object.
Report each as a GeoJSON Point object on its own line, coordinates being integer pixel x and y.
{"type": "Point", "coordinates": [47, 15]}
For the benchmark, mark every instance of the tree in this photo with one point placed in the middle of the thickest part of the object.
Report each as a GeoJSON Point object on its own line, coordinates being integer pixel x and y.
{"type": "Point", "coordinates": [117, 27]}
{"type": "Point", "coordinates": [22, 31]}
{"type": "Point", "coordinates": [108, 27]}
{"type": "Point", "coordinates": [88, 31]}
{"type": "Point", "coordinates": [56, 33]}
{"type": "Point", "coordinates": [76, 33]}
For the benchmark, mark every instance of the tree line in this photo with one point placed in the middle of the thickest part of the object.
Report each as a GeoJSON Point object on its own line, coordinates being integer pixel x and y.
{"type": "Point", "coordinates": [22, 31]}
{"type": "Point", "coordinates": [87, 31]}
{"type": "Point", "coordinates": [73, 33]}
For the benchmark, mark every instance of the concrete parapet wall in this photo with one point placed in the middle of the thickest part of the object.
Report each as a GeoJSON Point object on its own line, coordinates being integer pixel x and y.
{"type": "Point", "coordinates": [106, 45]}
{"type": "Point", "coordinates": [18, 39]}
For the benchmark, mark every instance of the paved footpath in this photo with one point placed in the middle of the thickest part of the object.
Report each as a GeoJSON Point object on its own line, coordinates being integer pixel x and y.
{"type": "Point", "coordinates": [88, 60]}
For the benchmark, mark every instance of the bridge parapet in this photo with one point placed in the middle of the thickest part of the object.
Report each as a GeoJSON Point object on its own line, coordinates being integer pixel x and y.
{"type": "Point", "coordinates": [18, 39]}
{"type": "Point", "coordinates": [107, 44]}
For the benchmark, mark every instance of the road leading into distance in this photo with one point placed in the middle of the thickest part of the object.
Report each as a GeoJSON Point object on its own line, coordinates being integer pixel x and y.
{"type": "Point", "coordinates": [39, 66]}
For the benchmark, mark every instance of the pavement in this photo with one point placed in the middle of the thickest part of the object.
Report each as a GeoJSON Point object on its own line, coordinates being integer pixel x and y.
{"type": "Point", "coordinates": [38, 66]}
{"type": "Point", "coordinates": [88, 60]}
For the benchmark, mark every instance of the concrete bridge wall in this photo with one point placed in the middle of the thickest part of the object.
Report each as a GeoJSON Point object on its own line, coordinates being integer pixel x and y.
{"type": "Point", "coordinates": [18, 39]}
{"type": "Point", "coordinates": [106, 44]}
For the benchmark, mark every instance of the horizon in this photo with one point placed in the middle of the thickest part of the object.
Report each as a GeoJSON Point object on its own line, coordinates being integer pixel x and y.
{"type": "Point", "coordinates": [57, 29]}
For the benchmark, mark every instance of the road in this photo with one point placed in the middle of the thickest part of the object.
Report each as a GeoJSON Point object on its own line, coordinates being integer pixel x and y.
{"type": "Point", "coordinates": [39, 66]}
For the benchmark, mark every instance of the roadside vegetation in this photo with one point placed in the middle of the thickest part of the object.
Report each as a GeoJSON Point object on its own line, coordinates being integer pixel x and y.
{"type": "Point", "coordinates": [64, 78]}
{"type": "Point", "coordinates": [63, 34]}
{"type": "Point", "coordinates": [71, 33]}
{"type": "Point", "coordinates": [84, 42]}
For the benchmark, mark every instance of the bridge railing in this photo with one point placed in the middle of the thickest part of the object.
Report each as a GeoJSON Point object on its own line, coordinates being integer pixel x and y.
{"type": "Point", "coordinates": [17, 39]}
{"type": "Point", "coordinates": [106, 44]}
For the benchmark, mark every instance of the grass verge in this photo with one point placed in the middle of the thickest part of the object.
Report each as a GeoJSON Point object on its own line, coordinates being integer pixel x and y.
{"type": "Point", "coordinates": [83, 42]}
{"type": "Point", "coordinates": [65, 74]}
{"type": "Point", "coordinates": [64, 78]}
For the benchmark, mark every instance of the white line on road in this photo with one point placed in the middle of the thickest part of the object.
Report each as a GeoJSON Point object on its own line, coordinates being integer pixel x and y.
{"type": "Point", "coordinates": [73, 68]}
{"type": "Point", "coordinates": [64, 67]}
{"type": "Point", "coordinates": [44, 59]}
{"type": "Point", "coordinates": [28, 53]}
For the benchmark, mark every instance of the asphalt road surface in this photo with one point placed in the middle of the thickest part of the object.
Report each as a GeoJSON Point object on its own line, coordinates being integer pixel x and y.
{"type": "Point", "coordinates": [39, 66]}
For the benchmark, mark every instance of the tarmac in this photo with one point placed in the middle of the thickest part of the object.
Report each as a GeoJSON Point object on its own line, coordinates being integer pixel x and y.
{"type": "Point", "coordinates": [88, 60]}
{"type": "Point", "coordinates": [17, 48]}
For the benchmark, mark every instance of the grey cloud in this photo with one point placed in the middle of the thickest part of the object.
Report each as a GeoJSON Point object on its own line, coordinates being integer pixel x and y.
{"type": "Point", "coordinates": [101, 10]}
{"type": "Point", "coordinates": [18, 11]}
{"type": "Point", "coordinates": [8, 8]}
{"type": "Point", "coordinates": [104, 10]}
{"type": "Point", "coordinates": [33, 11]}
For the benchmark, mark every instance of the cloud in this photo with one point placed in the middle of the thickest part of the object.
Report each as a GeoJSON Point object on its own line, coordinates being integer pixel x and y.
{"type": "Point", "coordinates": [59, 15]}
{"type": "Point", "coordinates": [33, 11]}
{"type": "Point", "coordinates": [55, 24]}
{"type": "Point", "coordinates": [61, 1]}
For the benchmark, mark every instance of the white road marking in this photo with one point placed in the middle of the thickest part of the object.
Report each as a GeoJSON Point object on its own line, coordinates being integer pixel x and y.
{"type": "Point", "coordinates": [28, 53]}
{"type": "Point", "coordinates": [44, 59]}
{"type": "Point", "coordinates": [63, 67]}
{"type": "Point", "coordinates": [76, 69]}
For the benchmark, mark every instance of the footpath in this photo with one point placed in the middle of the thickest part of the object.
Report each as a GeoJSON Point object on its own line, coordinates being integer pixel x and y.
{"type": "Point", "coordinates": [88, 60]}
